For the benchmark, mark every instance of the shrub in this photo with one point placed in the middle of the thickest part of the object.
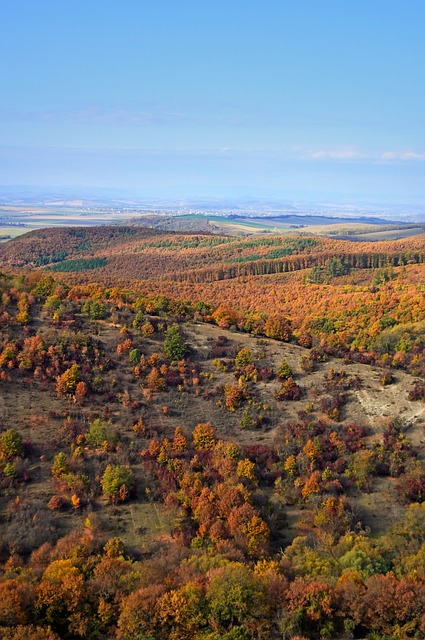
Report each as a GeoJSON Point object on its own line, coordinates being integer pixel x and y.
{"type": "Point", "coordinates": [387, 378]}
{"type": "Point", "coordinates": [100, 432]}
{"type": "Point", "coordinates": [60, 465]}
{"type": "Point", "coordinates": [244, 357]}
{"type": "Point", "coordinates": [412, 489]}
{"type": "Point", "coordinates": [117, 482]}
{"type": "Point", "coordinates": [56, 503]}
{"type": "Point", "coordinates": [289, 390]}
{"type": "Point", "coordinates": [11, 444]}
{"type": "Point", "coordinates": [204, 436]}
{"type": "Point", "coordinates": [147, 329]}
{"type": "Point", "coordinates": [284, 370]}
{"type": "Point", "coordinates": [417, 392]}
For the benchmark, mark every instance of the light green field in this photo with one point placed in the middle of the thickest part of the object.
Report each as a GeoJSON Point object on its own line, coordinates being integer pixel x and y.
{"type": "Point", "coordinates": [287, 224]}
{"type": "Point", "coordinates": [40, 219]}
{"type": "Point", "coordinates": [12, 231]}
{"type": "Point", "coordinates": [394, 234]}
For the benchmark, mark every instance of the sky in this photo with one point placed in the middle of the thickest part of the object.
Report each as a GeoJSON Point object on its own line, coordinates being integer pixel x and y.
{"type": "Point", "coordinates": [237, 97]}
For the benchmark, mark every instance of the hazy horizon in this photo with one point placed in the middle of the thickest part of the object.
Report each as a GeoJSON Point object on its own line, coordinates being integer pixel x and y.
{"type": "Point", "coordinates": [187, 194]}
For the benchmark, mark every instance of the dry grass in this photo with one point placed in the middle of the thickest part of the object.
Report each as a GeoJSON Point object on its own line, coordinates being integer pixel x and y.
{"type": "Point", "coordinates": [39, 415]}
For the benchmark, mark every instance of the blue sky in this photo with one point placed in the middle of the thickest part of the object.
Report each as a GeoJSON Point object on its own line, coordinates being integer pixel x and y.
{"type": "Point", "coordinates": [237, 97]}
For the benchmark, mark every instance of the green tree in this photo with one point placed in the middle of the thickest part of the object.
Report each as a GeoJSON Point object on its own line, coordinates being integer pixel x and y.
{"type": "Point", "coordinates": [117, 481]}
{"type": "Point", "coordinates": [284, 370]}
{"type": "Point", "coordinates": [95, 310]}
{"type": "Point", "coordinates": [60, 465]}
{"type": "Point", "coordinates": [11, 444]}
{"type": "Point", "coordinates": [100, 432]}
{"type": "Point", "coordinates": [174, 344]}
{"type": "Point", "coordinates": [244, 357]}
{"type": "Point", "coordinates": [134, 356]}
{"type": "Point", "coordinates": [335, 267]}
{"type": "Point", "coordinates": [235, 596]}
{"type": "Point", "coordinates": [247, 421]}
{"type": "Point", "coordinates": [363, 563]}
{"type": "Point", "coordinates": [361, 468]}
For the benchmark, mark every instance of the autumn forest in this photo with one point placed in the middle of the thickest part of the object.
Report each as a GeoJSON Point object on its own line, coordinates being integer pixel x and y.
{"type": "Point", "coordinates": [211, 437]}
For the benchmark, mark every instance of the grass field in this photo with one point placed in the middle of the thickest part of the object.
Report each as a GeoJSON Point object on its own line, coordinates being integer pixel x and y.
{"type": "Point", "coordinates": [15, 221]}
{"type": "Point", "coordinates": [39, 219]}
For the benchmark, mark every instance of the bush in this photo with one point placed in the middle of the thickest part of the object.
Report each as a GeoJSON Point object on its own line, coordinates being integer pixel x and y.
{"type": "Point", "coordinates": [308, 365]}
{"type": "Point", "coordinates": [387, 378]}
{"type": "Point", "coordinates": [56, 503]}
{"type": "Point", "coordinates": [60, 465]}
{"type": "Point", "coordinates": [204, 436]}
{"type": "Point", "coordinates": [99, 433]}
{"type": "Point", "coordinates": [117, 482]}
{"type": "Point", "coordinates": [417, 392]}
{"type": "Point", "coordinates": [11, 444]}
{"type": "Point", "coordinates": [284, 370]}
{"type": "Point", "coordinates": [289, 391]}
{"type": "Point", "coordinates": [244, 357]}
{"type": "Point", "coordinates": [412, 489]}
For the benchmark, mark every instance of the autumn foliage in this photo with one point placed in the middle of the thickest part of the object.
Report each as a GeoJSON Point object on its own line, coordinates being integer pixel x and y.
{"type": "Point", "coordinates": [156, 485]}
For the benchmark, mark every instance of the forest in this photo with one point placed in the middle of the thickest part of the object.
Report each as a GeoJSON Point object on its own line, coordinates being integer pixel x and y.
{"type": "Point", "coordinates": [210, 437]}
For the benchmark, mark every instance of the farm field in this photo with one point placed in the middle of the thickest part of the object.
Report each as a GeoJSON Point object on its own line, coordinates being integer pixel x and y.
{"type": "Point", "coordinates": [18, 221]}
{"type": "Point", "coordinates": [15, 220]}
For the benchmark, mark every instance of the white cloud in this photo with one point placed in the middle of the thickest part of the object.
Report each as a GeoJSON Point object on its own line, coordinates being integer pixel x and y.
{"type": "Point", "coordinates": [342, 153]}
{"type": "Point", "coordinates": [337, 154]}
{"type": "Point", "coordinates": [411, 156]}
{"type": "Point", "coordinates": [348, 154]}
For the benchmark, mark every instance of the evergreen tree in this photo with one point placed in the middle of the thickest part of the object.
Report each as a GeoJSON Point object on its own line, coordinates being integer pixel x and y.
{"type": "Point", "coordinates": [174, 344]}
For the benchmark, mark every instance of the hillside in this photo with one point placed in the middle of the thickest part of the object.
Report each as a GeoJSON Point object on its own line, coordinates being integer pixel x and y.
{"type": "Point", "coordinates": [351, 296]}
{"type": "Point", "coordinates": [137, 252]}
{"type": "Point", "coordinates": [242, 458]}
{"type": "Point", "coordinates": [126, 419]}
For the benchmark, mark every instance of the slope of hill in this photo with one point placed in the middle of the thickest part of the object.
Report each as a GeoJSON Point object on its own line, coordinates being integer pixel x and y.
{"type": "Point", "coordinates": [237, 459]}
{"type": "Point", "coordinates": [362, 296]}
{"type": "Point", "coordinates": [184, 256]}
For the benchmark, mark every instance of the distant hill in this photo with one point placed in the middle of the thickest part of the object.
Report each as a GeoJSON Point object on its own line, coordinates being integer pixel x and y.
{"type": "Point", "coordinates": [136, 252]}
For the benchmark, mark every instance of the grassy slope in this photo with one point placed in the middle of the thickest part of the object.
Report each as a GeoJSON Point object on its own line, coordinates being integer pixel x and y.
{"type": "Point", "coordinates": [39, 415]}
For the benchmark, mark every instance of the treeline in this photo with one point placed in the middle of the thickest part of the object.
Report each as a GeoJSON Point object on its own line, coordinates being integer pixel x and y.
{"type": "Point", "coordinates": [252, 266]}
